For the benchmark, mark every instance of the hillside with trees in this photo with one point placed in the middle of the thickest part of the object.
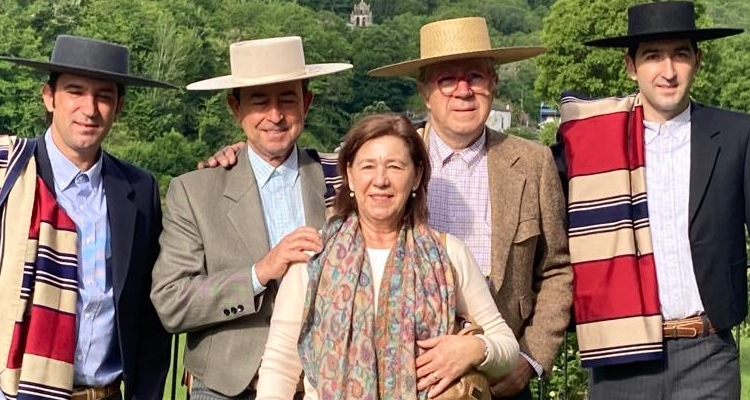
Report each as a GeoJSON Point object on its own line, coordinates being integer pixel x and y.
{"type": "Point", "coordinates": [181, 41]}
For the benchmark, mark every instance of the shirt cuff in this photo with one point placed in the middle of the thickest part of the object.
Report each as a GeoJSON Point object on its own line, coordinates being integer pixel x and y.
{"type": "Point", "coordinates": [487, 351]}
{"type": "Point", "coordinates": [257, 287]}
{"type": "Point", "coordinates": [537, 367]}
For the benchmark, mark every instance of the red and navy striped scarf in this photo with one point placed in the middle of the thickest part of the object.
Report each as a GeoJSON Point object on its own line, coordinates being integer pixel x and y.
{"type": "Point", "coordinates": [38, 284]}
{"type": "Point", "coordinates": [615, 290]}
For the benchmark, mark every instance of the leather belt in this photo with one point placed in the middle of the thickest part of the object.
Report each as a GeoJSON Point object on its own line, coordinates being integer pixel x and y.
{"type": "Point", "coordinates": [97, 393]}
{"type": "Point", "coordinates": [688, 328]}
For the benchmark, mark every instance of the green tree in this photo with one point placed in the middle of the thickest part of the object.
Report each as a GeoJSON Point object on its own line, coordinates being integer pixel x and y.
{"type": "Point", "coordinates": [568, 65]}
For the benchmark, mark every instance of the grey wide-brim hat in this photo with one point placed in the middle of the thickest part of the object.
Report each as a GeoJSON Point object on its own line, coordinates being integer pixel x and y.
{"type": "Point", "coordinates": [456, 39]}
{"type": "Point", "coordinates": [267, 61]}
{"type": "Point", "coordinates": [90, 58]}
{"type": "Point", "coordinates": [662, 20]}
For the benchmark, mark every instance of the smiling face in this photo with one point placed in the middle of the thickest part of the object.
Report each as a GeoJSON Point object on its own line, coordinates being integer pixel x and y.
{"type": "Point", "coordinates": [382, 176]}
{"type": "Point", "coordinates": [272, 116]}
{"type": "Point", "coordinates": [83, 111]}
{"type": "Point", "coordinates": [664, 70]}
{"type": "Point", "coordinates": [458, 117]}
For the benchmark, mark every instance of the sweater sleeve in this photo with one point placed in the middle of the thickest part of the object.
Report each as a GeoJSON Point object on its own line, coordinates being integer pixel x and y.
{"type": "Point", "coordinates": [474, 300]}
{"type": "Point", "coordinates": [281, 367]}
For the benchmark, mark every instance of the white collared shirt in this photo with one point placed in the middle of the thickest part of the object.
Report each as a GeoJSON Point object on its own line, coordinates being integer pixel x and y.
{"type": "Point", "coordinates": [668, 190]}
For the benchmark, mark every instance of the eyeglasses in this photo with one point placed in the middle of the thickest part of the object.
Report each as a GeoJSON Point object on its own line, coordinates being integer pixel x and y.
{"type": "Point", "coordinates": [478, 82]}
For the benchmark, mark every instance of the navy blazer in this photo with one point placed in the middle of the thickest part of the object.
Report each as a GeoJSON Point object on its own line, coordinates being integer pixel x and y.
{"type": "Point", "coordinates": [719, 209]}
{"type": "Point", "coordinates": [134, 213]}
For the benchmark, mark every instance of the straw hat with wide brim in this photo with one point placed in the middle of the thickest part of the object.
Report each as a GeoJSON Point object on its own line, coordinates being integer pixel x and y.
{"type": "Point", "coordinates": [267, 61]}
{"type": "Point", "coordinates": [90, 58]}
{"type": "Point", "coordinates": [456, 39]}
{"type": "Point", "coordinates": [662, 20]}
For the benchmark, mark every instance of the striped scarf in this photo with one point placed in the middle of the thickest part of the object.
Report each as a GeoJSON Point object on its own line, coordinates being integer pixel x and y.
{"type": "Point", "coordinates": [615, 291]}
{"type": "Point", "coordinates": [350, 351]}
{"type": "Point", "coordinates": [38, 285]}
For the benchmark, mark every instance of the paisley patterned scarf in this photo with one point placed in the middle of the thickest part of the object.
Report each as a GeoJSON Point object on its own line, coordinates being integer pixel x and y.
{"type": "Point", "coordinates": [350, 350]}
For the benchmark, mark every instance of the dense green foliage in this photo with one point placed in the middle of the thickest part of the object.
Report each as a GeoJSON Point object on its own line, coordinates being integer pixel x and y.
{"type": "Point", "coordinates": [181, 41]}
{"type": "Point", "coordinates": [568, 65]}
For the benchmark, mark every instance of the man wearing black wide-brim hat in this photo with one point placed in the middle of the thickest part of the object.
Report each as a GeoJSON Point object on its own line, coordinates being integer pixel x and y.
{"type": "Point", "coordinates": [659, 200]}
{"type": "Point", "coordinates": [77, 321]}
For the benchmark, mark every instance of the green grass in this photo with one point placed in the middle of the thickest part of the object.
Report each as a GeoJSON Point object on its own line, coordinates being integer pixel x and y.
{"type": "Point", "coordinates": [745, 366]}
{"type": "Point", "coordinates": [181, 393]}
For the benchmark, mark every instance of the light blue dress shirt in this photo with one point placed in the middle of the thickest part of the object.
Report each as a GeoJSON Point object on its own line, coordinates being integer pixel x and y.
{"type": "Point", "coordinates": [81, 195]}
{"type": "Point", "coordinates": [281, 197]}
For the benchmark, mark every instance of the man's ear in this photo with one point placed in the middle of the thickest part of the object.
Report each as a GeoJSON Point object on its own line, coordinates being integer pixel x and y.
{"type": "Point", "coordinates": [120, 105]}
{"type": "Point", "coordinates": [698, 60]}
{"type": "Point", "coordinates": [630, 66]}
{"type": "Point", "coordinates": [48, 96]}
{"type": "Point", "coordinates": [234, 106]}
{"type": "Point", "coordinates": [423, 89]}
{"type": "Point", "coordinates": [307, 101]}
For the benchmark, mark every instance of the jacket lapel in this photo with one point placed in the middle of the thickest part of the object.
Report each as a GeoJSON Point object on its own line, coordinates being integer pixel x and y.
{"type": "Point", "coordinates": [313, 190]}
{"type": "Point", "coordinates": [506, 191]}
{"type": "Point", "coordinates": [246, 215]}
{"type": "Point", "coordinates": [703, 153]}
{"type": "Point", "coordinates": [121, 214]}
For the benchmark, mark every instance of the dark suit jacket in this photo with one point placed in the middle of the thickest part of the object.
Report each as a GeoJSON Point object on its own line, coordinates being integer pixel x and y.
{"type": "Point", "coordinates": [719, 209]}
{"type": "Point", "coordinates": [134, 213]}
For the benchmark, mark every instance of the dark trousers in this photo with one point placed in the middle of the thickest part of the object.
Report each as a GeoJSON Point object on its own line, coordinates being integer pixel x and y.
{"type": "Point", "coordinates": [700, 368]}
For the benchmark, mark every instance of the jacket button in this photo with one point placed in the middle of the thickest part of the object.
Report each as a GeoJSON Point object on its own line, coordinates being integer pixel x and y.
{"type": "Point", "coordinates": [240, 308]}
{"type": "Point", "coordinates": [226, 311]}
{"type": "Point", "coordinates": [234, 310]}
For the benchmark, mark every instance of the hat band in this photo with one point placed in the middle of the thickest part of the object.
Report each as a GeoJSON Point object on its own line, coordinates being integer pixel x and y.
{"type": "Point", "coordinates": [285, 76]}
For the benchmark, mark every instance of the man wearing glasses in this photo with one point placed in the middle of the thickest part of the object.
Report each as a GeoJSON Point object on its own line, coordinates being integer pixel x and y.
{"type": "Point", "coordinates": [498, 193]}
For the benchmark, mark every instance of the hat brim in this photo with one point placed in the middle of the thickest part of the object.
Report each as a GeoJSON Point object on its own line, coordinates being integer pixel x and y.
{"type": "Point", "coordinates": [128, 80]}
{"type": "Point", "coordinates": [502, 55]}
{"type": "Point", "coordinates": [231, 82]}
{"type": "Point", "coordinates": [695, 34]}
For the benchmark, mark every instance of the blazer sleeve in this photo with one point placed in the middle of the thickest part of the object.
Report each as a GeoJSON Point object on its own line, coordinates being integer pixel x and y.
{"type": "Point", "coordinates": [184, 294]}
{"type": "Point", "coordinates": [473, 299]}
{"type": "Point", "coordinates": [553, 276]}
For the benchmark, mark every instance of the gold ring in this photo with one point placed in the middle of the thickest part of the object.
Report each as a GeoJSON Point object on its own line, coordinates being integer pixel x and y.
{"type": "Point", "coordinates": [435, 376]}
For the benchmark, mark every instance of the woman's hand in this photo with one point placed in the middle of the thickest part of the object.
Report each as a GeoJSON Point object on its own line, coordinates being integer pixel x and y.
{"type": "Point", "coordinates": [446, 358]}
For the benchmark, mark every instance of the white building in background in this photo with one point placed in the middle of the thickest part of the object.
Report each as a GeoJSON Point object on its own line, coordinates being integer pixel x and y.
{"type": "Point", "coordinates": [499, 120]}
{"type": "Point", "coordinates": [361, 15]}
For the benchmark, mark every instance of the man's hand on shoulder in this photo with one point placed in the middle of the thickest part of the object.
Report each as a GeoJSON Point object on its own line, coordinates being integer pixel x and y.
{"type": "Point", "coordinates": [226, 157]}
{"type": "Point", "coordinates": [516, 380]}
{"type": "Point", "coordinates": [294, 248]}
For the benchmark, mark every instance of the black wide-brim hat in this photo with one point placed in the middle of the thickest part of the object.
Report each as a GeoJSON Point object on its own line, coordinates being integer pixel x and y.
{"type": "Point", "coordinates": [662, 20]}
{"type": "Point", "coordinates": [91, 58]}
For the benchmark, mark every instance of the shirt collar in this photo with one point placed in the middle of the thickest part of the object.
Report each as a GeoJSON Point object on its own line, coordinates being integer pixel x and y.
{"type": "Point", "coordinates": [678, 121]}
{"type": "Point", "coordinates": [64, 171]}
{"type": "Point", "coordinates": [289, 169]}
{"type": "Point", "coordinates": [470, 155]}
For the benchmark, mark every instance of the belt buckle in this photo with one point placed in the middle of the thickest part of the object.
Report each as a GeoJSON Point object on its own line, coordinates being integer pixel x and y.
{"type": "Point", "coordinates": [674, 332]}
